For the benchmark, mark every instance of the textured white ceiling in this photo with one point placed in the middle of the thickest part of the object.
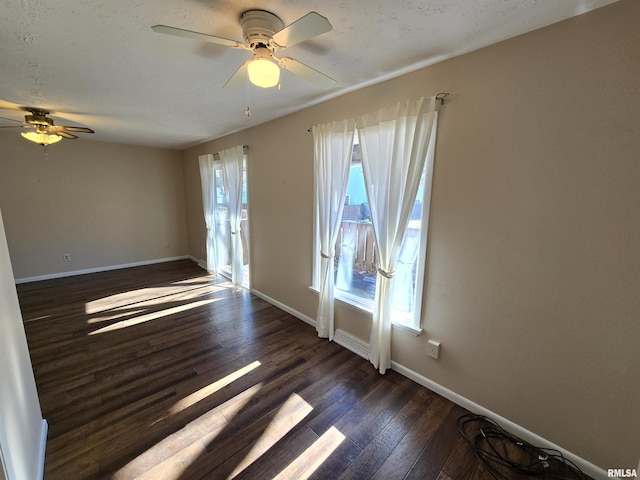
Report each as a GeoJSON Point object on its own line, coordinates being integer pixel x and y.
{"type": "Point", "coordinates": [99, 64]}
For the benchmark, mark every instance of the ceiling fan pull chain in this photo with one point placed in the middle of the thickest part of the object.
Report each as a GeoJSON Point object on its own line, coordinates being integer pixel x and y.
{"type": "Point", "coordinates": [248, 93]}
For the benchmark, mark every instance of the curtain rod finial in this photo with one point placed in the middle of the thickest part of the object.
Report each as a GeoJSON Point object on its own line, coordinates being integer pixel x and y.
{"type": "Point", "coordinates": [441, 96]}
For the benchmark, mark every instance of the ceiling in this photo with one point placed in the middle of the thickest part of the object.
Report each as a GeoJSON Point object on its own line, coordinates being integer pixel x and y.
{"type": "Point", "coordinates": [99, 64]}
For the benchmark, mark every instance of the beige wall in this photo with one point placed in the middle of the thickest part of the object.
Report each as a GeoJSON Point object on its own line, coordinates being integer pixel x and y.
{"type": "Point", "coordinates": [534, 265]}
{"type": "Point", "coordinates": [105, 204]}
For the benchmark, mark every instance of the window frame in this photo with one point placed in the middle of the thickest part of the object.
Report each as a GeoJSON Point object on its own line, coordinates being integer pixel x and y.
{"type": "Point", "coordinates": [361, 304]}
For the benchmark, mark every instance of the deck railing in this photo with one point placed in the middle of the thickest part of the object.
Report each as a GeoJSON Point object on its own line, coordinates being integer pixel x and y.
{"type": "Point", "coordinates": [359, 234]}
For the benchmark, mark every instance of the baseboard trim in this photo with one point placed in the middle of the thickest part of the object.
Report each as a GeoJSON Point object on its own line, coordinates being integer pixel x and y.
{"type": "Point", "coordinates": [284, 307]}
{"type": "Point", "coordinates": [361, 349]}
{"type": "Point", "coordinates": [43, 448]}
{"type": "Point", "coordinates": [341, 337]}
{"type": "Point", "coordinates": [101, 269]}
{"type": "Point", "coordinates": [201, 263]}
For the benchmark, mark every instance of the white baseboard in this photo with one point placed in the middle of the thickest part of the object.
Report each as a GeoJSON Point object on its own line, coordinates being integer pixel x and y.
{"type": "Point", "coordinates": [361, 349]}
{"type": "Point", "coordinates": [201, 263]}
{"type": "Point", "coordinates": [43, 448]}
{"type": "Point", "coordinates": [284, 307]}
{"type": "Point", "coordinates": [100, 269]}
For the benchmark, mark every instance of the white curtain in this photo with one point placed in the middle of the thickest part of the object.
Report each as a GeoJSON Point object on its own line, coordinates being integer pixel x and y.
{"type": "Point", "coordinates": [232, 162]}
{"type": "Point", "coordinates": [333, 144]}
{"type": "Point", "coordinates": [395, 144]}
{"type": "Point", "coordinates": [209, 206]}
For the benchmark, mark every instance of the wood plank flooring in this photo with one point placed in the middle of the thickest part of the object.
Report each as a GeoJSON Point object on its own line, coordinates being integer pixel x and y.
{"type": "Point", "coordinates": [164, 372]}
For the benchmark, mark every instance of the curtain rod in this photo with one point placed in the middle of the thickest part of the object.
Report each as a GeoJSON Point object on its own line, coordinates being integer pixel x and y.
{"type": "Point", "coordinates": [439, 98]}
{"type": "Point", "coordinates": [245, 149]}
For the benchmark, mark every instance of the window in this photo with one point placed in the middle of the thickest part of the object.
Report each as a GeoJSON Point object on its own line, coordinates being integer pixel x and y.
{"type": "Point", "coordinates": [355, 263]}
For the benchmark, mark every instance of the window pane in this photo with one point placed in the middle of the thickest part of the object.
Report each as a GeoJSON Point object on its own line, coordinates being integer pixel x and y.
{"type": "Point", "coordinates": [406, 289]}
{"type": "Point", "coordinates": [355, 252]}
{"type": "Point", "coordinates": [355, 262]}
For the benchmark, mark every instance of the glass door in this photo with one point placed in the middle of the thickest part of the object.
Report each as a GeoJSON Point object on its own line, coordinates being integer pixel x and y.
{"type": "Point", "coordinates": [223, 230]}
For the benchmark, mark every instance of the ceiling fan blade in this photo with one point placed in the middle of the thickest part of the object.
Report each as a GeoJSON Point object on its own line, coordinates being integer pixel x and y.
{"type": "Point", "coordinates": [238, 78]}
{"type": "Point", "coordinates": [11, 120]}
{"type": "Point", "coordinates": [307, 72]}
{"type": "Point", "coordinates": [75, 129]}
{"type": "Point", "coordinates": [64, 134]}
{"type": "Point", "coordinates": [309, 26]}
{"type": "Point", "coordinates": [179, 32]}
{"type": "Point", "coordinates": [22, 125]}
{"type": "Point", "coordinates": [62, 130]}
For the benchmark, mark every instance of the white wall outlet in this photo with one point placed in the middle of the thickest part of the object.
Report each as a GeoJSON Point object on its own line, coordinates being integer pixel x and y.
{"type": "Point", "coordinates": [66, 257]}
{"type": "Point", "coordinates": [433, 349]}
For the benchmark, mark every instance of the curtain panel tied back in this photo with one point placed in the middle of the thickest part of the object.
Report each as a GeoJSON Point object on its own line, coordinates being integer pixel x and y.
{"type": "Point", "coordinates": [395, 143]}
{"type": "Point", "coordinates": [209, 207]}
{"type": "Point", "coordinates": [333, 146]}
{"type": "Point", "coordinates": [232, 161]}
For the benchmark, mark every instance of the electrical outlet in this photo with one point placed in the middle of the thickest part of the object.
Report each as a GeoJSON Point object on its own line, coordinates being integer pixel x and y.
{"type": "Point", "coordinates": [66, 257]}
{"type": "Point", "coordinates": [433, 349]}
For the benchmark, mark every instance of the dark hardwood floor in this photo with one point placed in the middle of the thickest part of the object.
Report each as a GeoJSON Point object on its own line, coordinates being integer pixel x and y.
{"type": "Point", "coordinates": [164, 372]}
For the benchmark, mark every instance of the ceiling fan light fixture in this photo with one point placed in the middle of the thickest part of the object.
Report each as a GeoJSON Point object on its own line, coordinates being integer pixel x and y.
{"type": "Point", "coordinates": [263, 72]}
{"type": "Point", "coordinates": [43, 139]}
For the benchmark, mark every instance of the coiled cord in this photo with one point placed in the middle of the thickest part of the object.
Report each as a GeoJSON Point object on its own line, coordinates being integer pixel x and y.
{"type": "Point", "coordinates": [501, 452]}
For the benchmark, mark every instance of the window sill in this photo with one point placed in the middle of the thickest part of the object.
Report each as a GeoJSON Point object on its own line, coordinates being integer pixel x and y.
{"type": "Point", "coordinates": [353, 303]}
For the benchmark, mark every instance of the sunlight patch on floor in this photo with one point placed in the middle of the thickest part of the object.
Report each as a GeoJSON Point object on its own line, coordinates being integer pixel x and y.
{"type": "Point", "coordinates": [35, 319]}
{"type": "Point", "coordinates": [147, 296]}
{"type": "Point", "coordinates": [205, 279]}
{"type": "Point", "coordinates": [310, 460]}
{"type": "Point", "coordinates": [292, 412]}
{"type": "Point", "coordinates": [210, 389]}
{"type": "Point", "coordinates": [114, 315]}
{"type": "Point", "coordinates": [152, 316]}
{"type": "Point", "coordinates": [183, 447]}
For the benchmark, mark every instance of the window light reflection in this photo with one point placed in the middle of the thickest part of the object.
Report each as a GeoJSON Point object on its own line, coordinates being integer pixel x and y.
{"type": "Point", "coordinates": [212, 388]}
{"type": "Point", "coordinates": [292, 412]}
{"type": "Point", "coordinates": [146, 297]}
{"type": "Point", "coordinates": [151, 316]}
{"type": "Point", "coordinates": [201, 432]}
{"type": "Point", "coordinates": [114, 315]}
{"type": "Point", "coordinates": [310, 460]}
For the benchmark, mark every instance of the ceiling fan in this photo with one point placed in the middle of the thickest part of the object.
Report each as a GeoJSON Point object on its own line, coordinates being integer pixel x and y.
{"type": "Point", "coordinates": [264, 34]}
{"type": "Point", "coordinates": [43, 131]}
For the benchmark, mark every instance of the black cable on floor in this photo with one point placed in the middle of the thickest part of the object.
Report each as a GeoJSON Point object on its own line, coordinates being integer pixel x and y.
{"type": "Point", "coordinates": [501, 452]}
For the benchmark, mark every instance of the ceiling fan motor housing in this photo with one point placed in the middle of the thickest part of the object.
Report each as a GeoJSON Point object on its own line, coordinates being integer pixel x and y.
{"type": "Point", "coordinates": [259, 26]}
{"type": "Point", "coordinates": [38, 117]}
